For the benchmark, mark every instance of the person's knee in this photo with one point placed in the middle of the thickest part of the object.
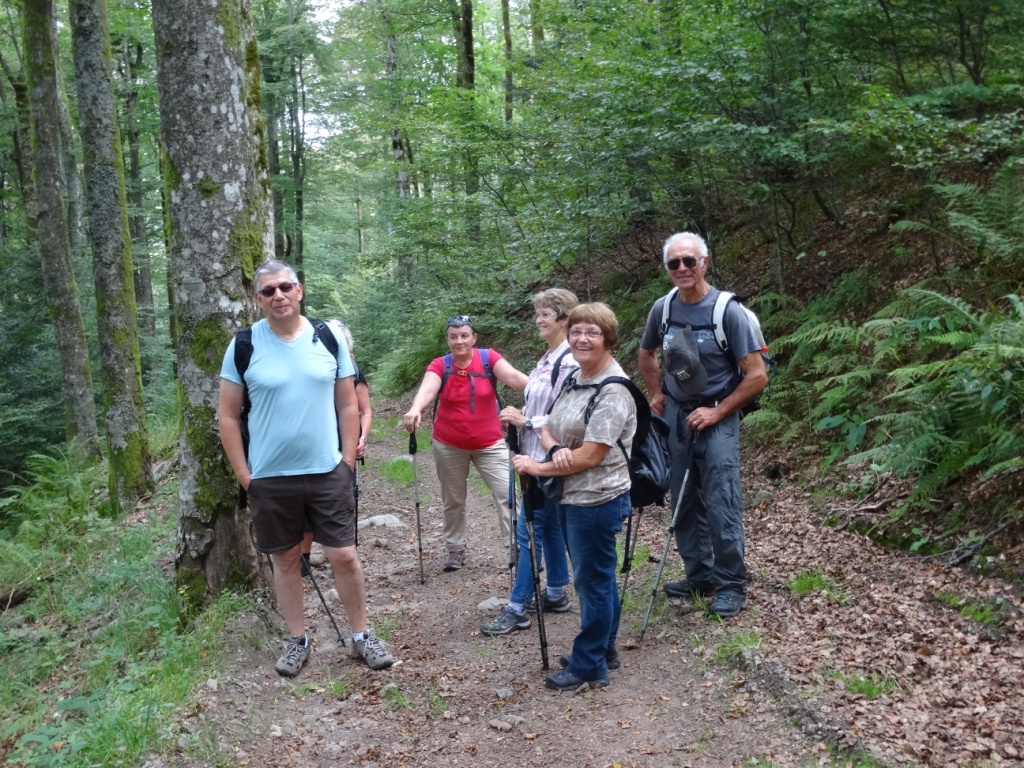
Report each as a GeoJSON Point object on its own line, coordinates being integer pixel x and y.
{"type": "Point", "coordinates": [342, 558]}
{"type": "Point", "coordinates": [288, 559]}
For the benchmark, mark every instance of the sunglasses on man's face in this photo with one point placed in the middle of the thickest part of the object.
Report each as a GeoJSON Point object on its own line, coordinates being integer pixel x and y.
{"type": "Point", "coordinates": [687, 261]}
{"type": "Point", "coordinates": [268, 291]}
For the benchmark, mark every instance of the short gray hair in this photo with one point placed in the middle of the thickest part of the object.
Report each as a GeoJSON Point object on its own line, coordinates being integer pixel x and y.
{"type": "Point", "coordinates": [702, 246]}
{"type": "Point", "coordinates": [559, 299]}
{"type": "Point", "coordinates": [343, 329]}
{"type": "Point", "coordinates": [272, 267]}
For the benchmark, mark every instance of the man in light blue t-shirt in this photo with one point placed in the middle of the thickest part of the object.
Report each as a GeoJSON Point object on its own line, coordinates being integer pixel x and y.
{"type": "Point", "coordinates": [302, 399]}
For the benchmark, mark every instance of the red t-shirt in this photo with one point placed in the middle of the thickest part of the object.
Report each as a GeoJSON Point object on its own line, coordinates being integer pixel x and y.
{"type": "Point", "coordinates": [456, 425]}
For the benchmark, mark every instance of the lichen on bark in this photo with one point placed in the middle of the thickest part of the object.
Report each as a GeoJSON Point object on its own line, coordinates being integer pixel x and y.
{"type": "Point", "coordinates": [220, 230]}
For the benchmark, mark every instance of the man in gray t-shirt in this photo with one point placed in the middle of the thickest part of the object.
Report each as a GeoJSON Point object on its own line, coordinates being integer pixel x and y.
{"type": "Point", "coordinates": [703, 391]}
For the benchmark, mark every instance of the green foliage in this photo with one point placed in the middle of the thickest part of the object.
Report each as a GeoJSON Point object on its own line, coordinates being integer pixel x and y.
{"type": "Point", "coordinates": [59, 503]}
{"type": "Point", "coordinates": [31, 405]}
{"type": "Point", "coordinates": [990, 612]}
{"type": "Point", "coordinates": [955, 401]}
{"type": "Point", "coordinates": [989, 225]}
{"type": "Point", "coordinates": [94, 660]}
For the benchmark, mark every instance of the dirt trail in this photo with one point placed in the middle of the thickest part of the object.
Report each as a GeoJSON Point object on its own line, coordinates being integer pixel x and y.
{"type": "Point", "coordinates": [456, 697]}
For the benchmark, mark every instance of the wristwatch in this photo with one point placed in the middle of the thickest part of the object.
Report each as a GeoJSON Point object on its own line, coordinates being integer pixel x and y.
{"type": "Point", "coordinates": [528, 424]}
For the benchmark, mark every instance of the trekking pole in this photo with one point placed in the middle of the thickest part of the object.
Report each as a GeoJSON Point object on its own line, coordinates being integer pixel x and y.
{"type": "Point", "coordinates": [416, 490]}
{"type": "Point", "coordinates": [512, 440]}
{"type": "Point", "coordinates": [668, 539]}
{"type": "Point", "coordinates": [529, 502]}
{"type": "Point", "coordinates": [309, 571]}
{"type": "Point", "coordinates": [629, 550]}
{"type": "Point", "coordinates": [330, 615]}
{"type": "Point", "coordinates": [355, 495]}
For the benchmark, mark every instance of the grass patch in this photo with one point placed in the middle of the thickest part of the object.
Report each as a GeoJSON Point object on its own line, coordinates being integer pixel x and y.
{"type": "Point", "coordinates": [384, 625]}
{"type": "Point", "coordinates": [808, 582]}
{"type": "Point", "coordinates": [989, 613]}
{"type": "Point", "coordinates": [398, 471]}
{"type": "Point", "coordinates": [438, 703]}
{"type": "Point", "coordinates": [873, 685]}
{"type": "Point", "coordinates": [735, 643]}
{"type": "Point", "coordinates": [395, 698]}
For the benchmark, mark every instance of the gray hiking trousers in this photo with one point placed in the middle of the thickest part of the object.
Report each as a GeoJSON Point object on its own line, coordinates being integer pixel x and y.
{"type": "Point", "coordinates": [709, 532]}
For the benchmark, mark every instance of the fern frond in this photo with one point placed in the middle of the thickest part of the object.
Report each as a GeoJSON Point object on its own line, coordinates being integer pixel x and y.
{"type": "Point", "coordinates": [939, 301]}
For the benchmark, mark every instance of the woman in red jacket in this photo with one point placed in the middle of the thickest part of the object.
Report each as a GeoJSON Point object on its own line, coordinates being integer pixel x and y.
{"type": "Point", "coordinates": [466, 429]}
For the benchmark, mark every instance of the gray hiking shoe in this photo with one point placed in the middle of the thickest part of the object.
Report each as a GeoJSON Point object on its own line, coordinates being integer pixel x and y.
{"type": "Point", "coordinates": [727, 605]}
{"type": "Point", "coordinates": [551, 604]}
{"type": "Point", "coordinates": [506, 622]}
{"type": "Point", "coordinates": [296, 653]}
{"type": "Point", "coordinates": [688, 588]}
{"type": "Point", "coordinates": [456, 559]}
{"type": "Point", "coordinates": [371, 650]}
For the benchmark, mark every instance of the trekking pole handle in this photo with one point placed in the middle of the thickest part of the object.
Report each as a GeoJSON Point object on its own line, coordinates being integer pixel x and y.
{"type": "Point", "coordinates": [412, 443]}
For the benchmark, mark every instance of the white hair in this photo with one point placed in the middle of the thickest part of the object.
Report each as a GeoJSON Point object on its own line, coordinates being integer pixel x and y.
{"type": "Point", "coordinates": [340, 327]}
{"type": "Point", "coordinates": [702, 246]}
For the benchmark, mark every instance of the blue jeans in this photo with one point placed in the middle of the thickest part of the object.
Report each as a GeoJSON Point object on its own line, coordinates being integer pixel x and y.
{"type": "Point", "coordinates": [709, 532]}
{"type": "Point", "coordinates": [547, 536]}
{"type": "Point", "coordinates": [590, 534]}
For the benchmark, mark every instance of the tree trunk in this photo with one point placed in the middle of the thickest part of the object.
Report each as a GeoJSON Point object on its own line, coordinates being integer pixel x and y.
{"type": "Point", "coordinates": [141, 265]}
{"type": "Point", "coordinates": [42, 71]}
{"type": "Point", "coordinates": [536, 24]}
{"type": "Point", "coordinates": [129, 470]}
{"type": "Point", "coordinates": [69, 161]}
{"type": "Point", "coordinates": [298, 140]}
{"type": "Point", "coordinates": [465, 81]}
{"type": "Point", "coordinates": [215, 168]}
{"type": "Point", "coordinates": [397, 140]}
{"type": "Point", "coordinates": [21, 137]}
{"type": "Point", "coordinates": [506, 28]}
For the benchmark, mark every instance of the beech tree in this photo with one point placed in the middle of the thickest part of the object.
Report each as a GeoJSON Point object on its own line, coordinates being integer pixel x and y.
{"type": "Point", "coordinates": [45, 96]}
{"type": "Point", "coordinates": [215, 170]}
{"type": "Point", "coordinates": [127, 445]}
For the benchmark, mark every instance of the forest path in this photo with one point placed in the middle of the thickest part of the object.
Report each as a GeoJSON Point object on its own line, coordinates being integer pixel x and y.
{"type": "Point", "coordinates": [456, 697]}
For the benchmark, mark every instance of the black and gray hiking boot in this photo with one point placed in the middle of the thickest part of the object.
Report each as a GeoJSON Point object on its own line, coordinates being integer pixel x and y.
{"type": "Point", "coordinates": [506, 622]}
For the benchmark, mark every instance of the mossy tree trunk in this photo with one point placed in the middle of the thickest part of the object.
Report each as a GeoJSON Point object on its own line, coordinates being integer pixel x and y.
{"type": "Point", "coordinates": [42, 75]}
{"type": "Point", "coordinates": [215, 171]}
{"type": "Point", "coordinates": [128, 456]}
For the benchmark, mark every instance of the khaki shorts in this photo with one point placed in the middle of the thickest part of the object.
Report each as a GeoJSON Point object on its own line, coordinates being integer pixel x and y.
{"type": "Point", "coordinates": [283, 508]}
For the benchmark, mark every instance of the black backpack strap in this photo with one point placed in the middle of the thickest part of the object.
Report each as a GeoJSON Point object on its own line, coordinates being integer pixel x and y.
{"type": "Point", "coordinates": [557, 367]}
{"type": "Point", "coordinates": [643, 408]}
{"type": "Point", "coordinates": [243, 356]}
{"type": "Point", "coordinates": [322, 332]}
{"type": "Point", "coordinates": [485, 358]}
{"type": "Point", "coordinates": [243, 351]}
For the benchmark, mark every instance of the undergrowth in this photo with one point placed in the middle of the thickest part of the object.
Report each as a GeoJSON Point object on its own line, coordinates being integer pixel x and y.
{"type": "Point", "coordinates": [95, 659]}
{"type": "Point", "coordinates": [926, 383]}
